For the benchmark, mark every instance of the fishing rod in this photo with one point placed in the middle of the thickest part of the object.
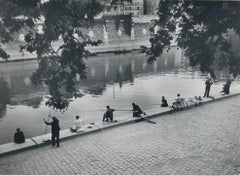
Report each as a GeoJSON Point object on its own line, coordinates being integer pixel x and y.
{"type": "Point", "coordinates": [49, 115]}
{"type": "Point", "coordinates": [148, 120]}
{"type": "Point", "coordinates": [94, 111]}
{"type": "Point", "coordinates": [123, 110]}
{"type": "Point", "coordinates": [35, 142]}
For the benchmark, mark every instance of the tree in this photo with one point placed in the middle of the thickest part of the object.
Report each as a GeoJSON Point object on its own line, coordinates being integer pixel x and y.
{"type": "Point", "coordinates": [145, 7]}
{"type": "Point", "coordinates": [201, 29]}
{"type": "Point", "coordinates": [14, 16]}
{"type": "Point", "coordinates": [59, 67]}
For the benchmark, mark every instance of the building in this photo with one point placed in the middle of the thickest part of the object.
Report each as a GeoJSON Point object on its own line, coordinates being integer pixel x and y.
{"type": "Point", "coordinates": [135, 7]}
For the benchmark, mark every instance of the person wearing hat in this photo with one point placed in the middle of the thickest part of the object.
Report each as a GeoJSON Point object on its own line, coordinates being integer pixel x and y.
{"type": "Point", "coordinates": [208, 84]}
{"type": "Point", "coordinates": [55, 130]}
{"type": "Point", "coordinates": [108, 115]}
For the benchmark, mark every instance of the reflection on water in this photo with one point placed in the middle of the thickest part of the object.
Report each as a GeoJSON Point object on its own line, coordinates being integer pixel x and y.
{"type": "Point", "coordinates": [116, 80]}
{"type": "Point", "coordinates": [4, 97]}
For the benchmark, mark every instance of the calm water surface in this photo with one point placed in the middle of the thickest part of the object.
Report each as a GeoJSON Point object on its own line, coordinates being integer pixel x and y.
{"type": "Point", "coordinates": [116, 80]}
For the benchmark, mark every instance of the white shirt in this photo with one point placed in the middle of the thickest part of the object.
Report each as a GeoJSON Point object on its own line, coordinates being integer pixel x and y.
{"type": "Point", "coordinates": [77, 124]}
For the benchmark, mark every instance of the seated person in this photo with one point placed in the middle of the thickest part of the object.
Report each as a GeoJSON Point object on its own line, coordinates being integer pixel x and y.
{"type": "Point", "coordinates": [137, 111]}
{"type": "Point", "coordinates": [198, 98]}
{"type": "Point", "coordinates": [226, 87]}
{"type": "Point", "coordinates": [19, 137]}
{"type": "Point", "coordinates": [164, 102]}
{"type": "Point", "coordinates": [179, 100]}
{"type": "Point", "coordinates": [108, 115]}
{"type": "Point", "coordinates": [76, 125]}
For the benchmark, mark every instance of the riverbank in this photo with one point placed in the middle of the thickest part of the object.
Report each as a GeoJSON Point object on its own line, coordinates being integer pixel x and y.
{"type": "Point", "coordinates": [34, 142]}
{"type": "Point", "coordinates": [115, 80]}
{"type": "Point", "coordinates": [120, 48]}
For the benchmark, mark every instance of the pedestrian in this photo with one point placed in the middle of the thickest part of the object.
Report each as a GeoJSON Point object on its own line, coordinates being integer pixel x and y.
{"type": "Point", "coordinates": [137, 111]}
{"type": "Point", "coordinates": [208, 84]}
{"type": "Point", "coordinates": [19, 136]}
{"type": "Point", "coordinates": [55, 130]}
{"type": "Point", "coordinates": [164, 102]}
{"type": "Point", "coordinates": [76, 125]}
{"type": "Point", "coordinates": [108, 115]}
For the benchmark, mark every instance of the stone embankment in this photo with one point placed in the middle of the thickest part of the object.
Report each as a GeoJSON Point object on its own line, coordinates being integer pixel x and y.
{"type": "Point", "coordinates": [38, 141]}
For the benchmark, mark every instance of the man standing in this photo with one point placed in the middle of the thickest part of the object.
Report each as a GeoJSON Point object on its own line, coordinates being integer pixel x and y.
{"type": "Point", "coordinates": [208, 84]}
{"type": "Point", "coordinates": [55, 130]}
{"type": "Point", "coordinates": [108, 114]}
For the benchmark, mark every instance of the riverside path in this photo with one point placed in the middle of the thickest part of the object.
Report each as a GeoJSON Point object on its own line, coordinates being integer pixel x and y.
{"type": "Point", "coordinates": [202, 140]}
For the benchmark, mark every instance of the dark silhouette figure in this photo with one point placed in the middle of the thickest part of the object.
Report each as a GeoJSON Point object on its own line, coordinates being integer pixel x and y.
{"type": "Point", "coordinates": [108, 115]}
{"type": "Point", "coordinates": [137, 111]}
{"type": "Point", "coordinates": [19, 137]}
{"type": "Point", "coordinates": [55, 130]}
{"type": "Point", "coordinates": [208, 84]}
{"type": "Point", "coordinates": [226, 87]}
{"type": "Point", "coordinates": [164, 102]}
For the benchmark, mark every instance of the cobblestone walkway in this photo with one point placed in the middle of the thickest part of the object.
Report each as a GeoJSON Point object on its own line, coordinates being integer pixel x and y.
{"type": "Point", "coordinates": [203, 140]}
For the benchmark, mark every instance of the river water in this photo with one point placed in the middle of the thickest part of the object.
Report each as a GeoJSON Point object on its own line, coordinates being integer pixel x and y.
{"type": "Point", "coordinates": [115, 80]}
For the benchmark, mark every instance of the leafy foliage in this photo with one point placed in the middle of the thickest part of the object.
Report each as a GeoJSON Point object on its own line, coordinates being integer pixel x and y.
{"type": "Point", "coordinates": [14, 16]}
{"type": "Point", "coordinates": [62, 67]}
{"type": "Point", "coordinates": [60, 47]}
{"type": "Point", "coordinates": [200, 28]}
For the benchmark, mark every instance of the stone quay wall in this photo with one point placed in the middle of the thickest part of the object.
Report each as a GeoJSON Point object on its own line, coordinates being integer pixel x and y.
{"type": "Point", "coordinates": [108, 33]}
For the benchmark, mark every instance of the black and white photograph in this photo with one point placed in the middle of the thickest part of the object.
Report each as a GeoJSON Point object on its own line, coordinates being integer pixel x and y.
{"type": "Point", "coordinates": [119, 87]}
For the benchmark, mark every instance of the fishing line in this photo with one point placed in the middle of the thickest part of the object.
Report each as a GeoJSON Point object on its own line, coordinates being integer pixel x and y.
{"type": "Point", "coordinates": [75, 111]}
{"type": "Point", "coordinates": [123, 110]}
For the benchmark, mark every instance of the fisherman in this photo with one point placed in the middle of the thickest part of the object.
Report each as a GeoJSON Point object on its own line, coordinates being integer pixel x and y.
{"type": "Point", "coordinates": [137, 111]}
{"type": "Point", "coordinates": [76, 125]}
{"type": "Point", "coordinates": [179, 100]}
{"type": "Point", "coordinates": [55, 130]}
{"type": "Point", "coordinates": [208, 84]}
{"type": "Point", "coordinates": [108, 115]}
{"type": "Point", "coordinates": [19, 137]}
{"type": "Point", "coordinates": [164, 102]}
{"type": "Point", "coordinates": [226, 87]}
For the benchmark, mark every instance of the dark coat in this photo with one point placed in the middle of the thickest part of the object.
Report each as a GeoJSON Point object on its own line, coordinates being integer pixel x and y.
{"type": "Point", "coordinates": [208, 83]}
{"type": "Point", "coordinates": [55, 126]}
{"type": "Point", "coordinates": [19, 137]}
{"type": "Point", "coordinates": [109, 113]}
{"type": "Point", "coordinates": [164, 103]}
{"type": "Point", "coordinates": [137, 109]}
